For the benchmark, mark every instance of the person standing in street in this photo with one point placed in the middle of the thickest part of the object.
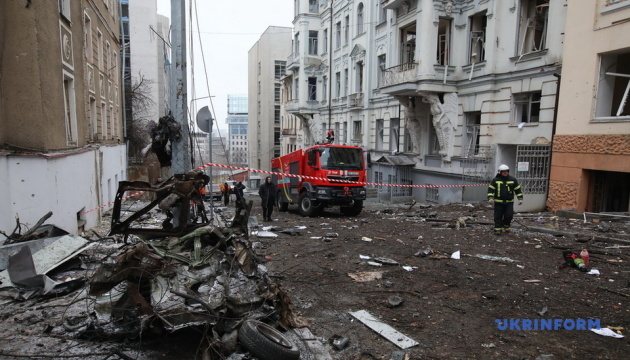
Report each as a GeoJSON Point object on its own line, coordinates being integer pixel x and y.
{"type": "Point", "coordinates": [238, 191]}
{"type": "Point", "coordinates": [267, 194]}
{"type": "Point", "coordinates": [501, 193]}
{"type": "Point", "coordinates": [226, 193]}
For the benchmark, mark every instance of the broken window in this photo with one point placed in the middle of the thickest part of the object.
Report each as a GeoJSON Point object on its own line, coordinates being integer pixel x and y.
{"type": "Point", "coordinates": [312, 42]}
{"type": "Point", "coordinates": [276, 114]}
{"type": "Point", "coordinates": [472, 136]}
{"type": "Point", "coordinates": [394, 134]}
{"type": "Point", "coordinates": [312, 6]}
{"type": "Point", "coordinates": [478, 23]}
{"type": "Point", "coordinates": [382, 13]}
{"type": "Point", "coordinates": [64, 9]}
{"type": "Point", "coordinates": [526, 107]}
{"type": "Point", "coordinates": [345, 82]}
{"type": "Point", "coordinates": [356, 131]}
{"type": "Point", "coordinates": [280, 68]}
{"type": "Point", "coordinates": [359, 69]}
{"type": "Point", "coordinates": [297, 88]}
{"type": "Point", "coordinates": [346, 31]}
{"type": "Point", "coordinates": [379, 133]}
{"type": "Point", "coordinates": [70, 109]}
{"type": "Point", "coordinates": [408, 44]}
{"type": "Point", "coordinates": [382, 63]}
{"type": "Point", "coordinates": [337, 84]}
{"type": "Point", "coordinates": [325, 44]}
{"type": "Point", "coordinates": [444, 41]}
{"type": "Point", "coordinates": [360, 28]}
{"type": "Point", "coordinates": [324, 88]}
{"type": "Point", "coordinates": [338, 35]}
{"type": "Point", "coordinates": [92, 118]}
{"type": "Point", "coordinates": [613, 89]}
{"type": "Point", "coordinates": [296, 43]}
{"type": "Point", "coordinates": [533, 25]}
{"type": "Point", "coordinates": [312, 88]}
{"type": "Point", "coordinates": [103, 120]}
{"type": "Point", "coordinates": [87, 36]}
{"type": "Point", "coordinates": [99, 45]}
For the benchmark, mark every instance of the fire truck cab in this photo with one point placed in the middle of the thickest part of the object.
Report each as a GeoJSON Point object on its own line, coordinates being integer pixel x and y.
{"type": "Point", "coordinates": [323, 175]}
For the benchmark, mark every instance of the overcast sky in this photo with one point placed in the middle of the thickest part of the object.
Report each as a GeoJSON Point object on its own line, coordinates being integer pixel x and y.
{"type": "Point", "coordinates": [228, 30]}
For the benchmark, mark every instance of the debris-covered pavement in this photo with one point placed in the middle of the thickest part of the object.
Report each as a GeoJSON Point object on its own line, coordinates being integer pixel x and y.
{"type": "Point", "coordinates": [396, 282]}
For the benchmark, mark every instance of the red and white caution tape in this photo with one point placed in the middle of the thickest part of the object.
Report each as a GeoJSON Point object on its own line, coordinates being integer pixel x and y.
{"type": "Point", "coordinates": [332, 180]}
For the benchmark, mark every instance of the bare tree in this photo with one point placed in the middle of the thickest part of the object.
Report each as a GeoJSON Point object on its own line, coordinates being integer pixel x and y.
{"type": "Point", "coordinates": [137, 97]}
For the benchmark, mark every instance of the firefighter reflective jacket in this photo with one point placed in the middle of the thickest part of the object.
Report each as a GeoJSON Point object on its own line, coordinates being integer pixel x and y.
{"type": "Point", "coordinates": [503, 188]}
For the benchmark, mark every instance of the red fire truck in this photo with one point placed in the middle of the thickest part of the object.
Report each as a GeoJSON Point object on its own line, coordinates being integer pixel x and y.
{"type": "Point", "coordinates": [315, 188]}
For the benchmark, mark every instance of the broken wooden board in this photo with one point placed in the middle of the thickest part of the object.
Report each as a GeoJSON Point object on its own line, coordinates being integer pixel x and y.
{"type": "Point", "coordinates": [386, 331]}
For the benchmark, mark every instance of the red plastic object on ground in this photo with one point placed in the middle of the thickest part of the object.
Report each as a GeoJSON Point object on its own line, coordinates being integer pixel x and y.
{"type": "Point", "coordinates": [586, 257]}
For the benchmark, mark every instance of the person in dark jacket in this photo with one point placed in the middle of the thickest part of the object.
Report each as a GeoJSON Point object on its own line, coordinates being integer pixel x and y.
{"type": "Point", "coordinates": [267, 194]}
{"type": "Point", "coordinates": [239, 191]}
{"type": "Point", "coordinates": [501, 192]}
{"type": "Point", "coordinates": [225, 189]}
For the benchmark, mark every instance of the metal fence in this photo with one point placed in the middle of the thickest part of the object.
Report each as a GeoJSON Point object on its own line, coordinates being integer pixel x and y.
{"type": "Point", "coordinates": [532, 165]}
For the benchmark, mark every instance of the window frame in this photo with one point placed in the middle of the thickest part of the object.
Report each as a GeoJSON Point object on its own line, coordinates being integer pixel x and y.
{"type": "Point", "coordinates": [526, 100]}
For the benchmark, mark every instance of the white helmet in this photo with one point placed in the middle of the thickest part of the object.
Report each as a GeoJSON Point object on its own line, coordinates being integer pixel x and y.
{"type": "Point", "coordinates": [504, 167]}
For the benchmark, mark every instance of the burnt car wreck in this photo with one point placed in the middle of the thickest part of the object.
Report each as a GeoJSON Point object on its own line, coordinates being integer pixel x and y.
{"type": "Point", "coordinates": [196, 270]}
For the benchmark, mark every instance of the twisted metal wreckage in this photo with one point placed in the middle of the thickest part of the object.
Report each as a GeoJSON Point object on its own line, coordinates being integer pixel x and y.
{"type": "Point", "coordinates": [189, 273]}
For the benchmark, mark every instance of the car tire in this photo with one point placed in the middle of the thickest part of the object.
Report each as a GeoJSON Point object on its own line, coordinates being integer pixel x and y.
{"type": "Point", "coordinates": [306, 206]}
{"type": "Point", "coordinates": [265, 342]}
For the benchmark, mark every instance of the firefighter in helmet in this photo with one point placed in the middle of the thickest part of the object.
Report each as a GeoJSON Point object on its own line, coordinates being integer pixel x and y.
{"type": "Point", "coordinates": [501, 193]}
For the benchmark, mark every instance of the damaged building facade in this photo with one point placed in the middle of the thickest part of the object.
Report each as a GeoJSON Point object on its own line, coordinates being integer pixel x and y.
{"type": "Point", "coordinates": [440, 92]}
{"type": "Point", "coordinates": [61, 123]}
{"type": "Point", "coordinates": [591, 154]}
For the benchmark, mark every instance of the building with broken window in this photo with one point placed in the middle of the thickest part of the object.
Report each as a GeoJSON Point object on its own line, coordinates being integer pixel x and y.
{"type": "Point", "coordinates": [266, 61]}
{"type": "Point", "coordinates": [61, 124]}
{"type": "Point", "coordinates": [591, 147]}
{"type": "Point", "coordinates": [441, 92]}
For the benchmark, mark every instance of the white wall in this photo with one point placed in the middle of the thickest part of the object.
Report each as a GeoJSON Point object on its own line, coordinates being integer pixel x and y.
{"type": "Point", "coordinates": [64, 184]}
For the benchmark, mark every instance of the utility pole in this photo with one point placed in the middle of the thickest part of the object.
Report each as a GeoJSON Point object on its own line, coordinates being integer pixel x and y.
{"type": "Point", "coordinates": [181, 162]}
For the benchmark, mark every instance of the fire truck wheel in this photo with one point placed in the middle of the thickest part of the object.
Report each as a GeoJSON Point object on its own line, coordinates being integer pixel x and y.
{"type": "Point", "coordinates": [306, 206]}
{"type": "Point", "coordinates": [266, 343]}
{"type": "Point", "coordinates": [282, 206]}
{"type": "Point", "coordinates": [353, 210]}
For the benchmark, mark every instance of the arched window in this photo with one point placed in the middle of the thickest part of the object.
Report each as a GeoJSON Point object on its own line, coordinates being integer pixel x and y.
{"type": "Point", "coordinates": [360, 29]}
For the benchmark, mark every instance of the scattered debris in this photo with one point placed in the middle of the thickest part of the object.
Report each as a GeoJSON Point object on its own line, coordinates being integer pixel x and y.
{"type": "Point", "coordinates": [543, 311]}
{"type": "Point", "coordinates": [494, 258]}
{"type": "Point", "coordinates": [384, 330]}
{"type": "Point", "coordinates": [338, 342]}
{"type": "Point", "coordinates": [394, 301]}
{"type": "Point", "coordinates": [456, 255]}
{"type": "Point", "coordinates": [366, 276]}
{"type": "Point", "coordinates": [607, 332]}
{"type": "Point", "coordinates": [385, 261]}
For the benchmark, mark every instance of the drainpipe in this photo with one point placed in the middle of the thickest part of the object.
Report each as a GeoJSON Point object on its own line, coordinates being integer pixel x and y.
{"type": "Point", "coordinates": [330, 51]}
{"type": "Point", "coordinates": [553, 127]}
{"type": "Point", "coordinates": [122, 72]}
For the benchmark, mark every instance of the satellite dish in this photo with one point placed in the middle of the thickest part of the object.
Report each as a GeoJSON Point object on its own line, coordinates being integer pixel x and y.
{"type": "Point", "coordinates": [204, 119]}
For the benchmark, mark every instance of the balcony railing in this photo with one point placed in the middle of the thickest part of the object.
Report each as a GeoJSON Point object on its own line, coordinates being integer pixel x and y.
{"type": "Point", "coordinates": [399, 74]}
{"type": "Point", "coordinates": [355, 100]}
{"type": "Point", "coordinates": [288, 131]}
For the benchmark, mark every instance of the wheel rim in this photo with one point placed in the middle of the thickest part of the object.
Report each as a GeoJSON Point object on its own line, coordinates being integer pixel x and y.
{"type": "Point", "coordinates": [306, 204]}
{"type": "Point", "coordinates": [274, 336]}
